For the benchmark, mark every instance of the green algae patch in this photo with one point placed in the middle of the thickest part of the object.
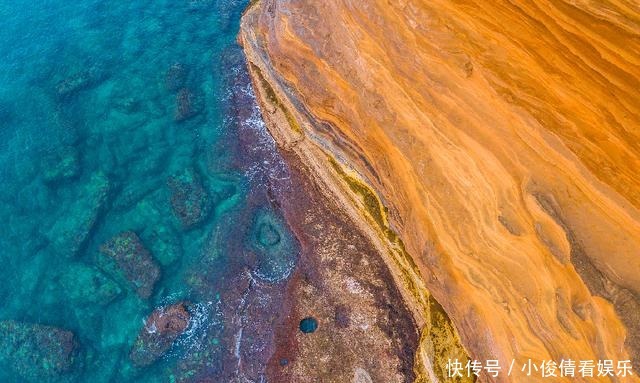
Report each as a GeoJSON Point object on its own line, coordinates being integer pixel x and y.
{"type": "Point", "coordinates": [409, 272]}
{"type": "Point", "coordinates": [378, 213]}
{"type": "Point", "coordinates": [250, 5]}
{"type": "Point", "coordinates": [439, 344]}
{"type": "Point", "coordinates": [369, 198]}
{"type": "Point", "coordinates": [376, 210]}
{"type": "Point", "coordinates": [273, 99]}
{"type": "Point", "coordinates": [442, 343]}
{"type": "Point", "coordinates": [439, 340]}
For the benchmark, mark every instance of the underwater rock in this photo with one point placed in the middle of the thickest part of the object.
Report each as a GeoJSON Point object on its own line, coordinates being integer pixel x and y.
{"type": "Point", "coordinates": [276, 248]}
{"type": "Point", "coordinates": [86, 285]}
{"type": "Point", "coordinates": [61, 164]}
{"type": "Point", "coordinates": [128, 105]}
{"type": "Point", "coordinates": [190, 201]}
{"type": "Point", "coordinates": [176, 77]}
{"type": "Point", "coordinates": [81, 80]}
{"type": "Point", "coordinates": [69, 233]}
{"type": "Point", "coordinates": [267, 235]}
{"type": "Point", "coordinates": [134, 261]}
{"type": "Point", "coordinates": [188, 104]}
{"type": "Point", "coordinates": [161, 329]}
{"type": "Point", "coordinates": [37, 352]}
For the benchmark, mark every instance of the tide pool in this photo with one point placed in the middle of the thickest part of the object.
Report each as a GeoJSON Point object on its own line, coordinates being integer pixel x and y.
{"type": "Point", "coordinates": [136, 175]}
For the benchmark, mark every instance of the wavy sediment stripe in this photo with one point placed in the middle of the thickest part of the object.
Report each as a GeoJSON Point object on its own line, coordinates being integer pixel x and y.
{"type": "Point", "coordinates": [285, 118]}
{"type": "Point", "coordinates": [491, 148]}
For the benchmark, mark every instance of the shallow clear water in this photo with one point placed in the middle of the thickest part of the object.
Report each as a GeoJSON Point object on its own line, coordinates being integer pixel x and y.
{"type": "Point", "coordinates": [133, 116]}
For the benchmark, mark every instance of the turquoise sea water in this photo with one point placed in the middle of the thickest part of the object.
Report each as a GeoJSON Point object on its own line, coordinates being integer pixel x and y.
{"type": "Point", "coordinates": [134, 117]}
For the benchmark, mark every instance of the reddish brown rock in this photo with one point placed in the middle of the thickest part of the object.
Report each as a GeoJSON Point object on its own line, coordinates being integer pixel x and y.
{"type": "Point", "coordinates": [161, 329]}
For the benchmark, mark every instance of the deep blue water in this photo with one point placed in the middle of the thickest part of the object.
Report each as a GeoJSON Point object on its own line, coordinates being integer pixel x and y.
{"type": "Point", "coordinates": [137, 117]}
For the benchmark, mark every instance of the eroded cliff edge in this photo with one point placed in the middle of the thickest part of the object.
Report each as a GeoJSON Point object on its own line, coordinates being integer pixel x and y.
{"type": "Point", "coordinates": [491, 149]}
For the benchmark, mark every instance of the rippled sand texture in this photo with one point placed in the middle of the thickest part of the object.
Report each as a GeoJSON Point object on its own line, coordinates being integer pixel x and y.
{"type": "Point", "coordinates": [503, 139]}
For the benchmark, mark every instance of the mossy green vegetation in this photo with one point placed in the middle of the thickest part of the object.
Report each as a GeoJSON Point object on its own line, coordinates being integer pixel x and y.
{"type": "Point", "coordinates": [377, 212]}
{"type": "Point", "coordinates": [274, 100]}
{"type": "Point", "coordinates": [439, 336]}
{"type": "Point", "coordinates": [369, 199]}
{"type": "Point", "coordinates": [251, 4]}
{"type": "Point", "coordinates": [443, 343]}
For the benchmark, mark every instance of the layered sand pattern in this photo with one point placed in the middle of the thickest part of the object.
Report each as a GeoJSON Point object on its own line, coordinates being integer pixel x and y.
{"type": "Point", "coordinates": [490, 150]}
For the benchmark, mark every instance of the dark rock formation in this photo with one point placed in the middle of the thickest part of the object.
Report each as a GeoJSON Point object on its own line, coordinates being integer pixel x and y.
{"type": "Point", "coordinates": [134, 261]}
{"type": "Point", "coordinates": [176, 77]}
{"type": "Point", "coordinates": [81, 80]}
{"type": "Point", "coordinates": [37, 352]}
{"type": "Point", "coordinates": [190, 201]}
{"type": "Point", "coordinates": [188, 104]}
{"type": "Point", "coordinates": [161, 329]}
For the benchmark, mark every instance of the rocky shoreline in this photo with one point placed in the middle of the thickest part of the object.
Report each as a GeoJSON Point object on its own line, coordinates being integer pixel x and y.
{"type": "Point", "coordinates": [350, 195]}
{"type": "Point", "coordinates": [408, 115]}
